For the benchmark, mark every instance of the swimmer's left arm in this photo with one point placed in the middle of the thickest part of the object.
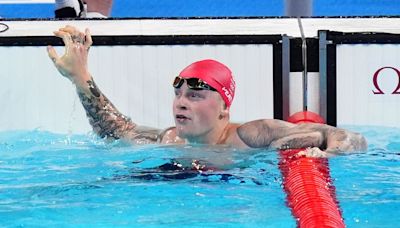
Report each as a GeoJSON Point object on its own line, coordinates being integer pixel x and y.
{"type": "Point", "coordinates": [278, 134]}
{"type": "Point", "coordinates": [283, 135]}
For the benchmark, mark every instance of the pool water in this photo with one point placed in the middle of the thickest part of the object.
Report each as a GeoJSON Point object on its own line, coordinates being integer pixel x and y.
{"type": "Point", "coordinates": [49, 179]}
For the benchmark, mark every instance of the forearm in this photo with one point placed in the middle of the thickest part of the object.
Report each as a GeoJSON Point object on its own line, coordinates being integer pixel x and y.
{"type": "Point", "coordinates": [334, 140]}
{"type": "Point", "coordinates": [340, 140]}
{"type": "Point", "coordinates": [331, 139]}
{"type": "Point", "coordinates": [107, 121]}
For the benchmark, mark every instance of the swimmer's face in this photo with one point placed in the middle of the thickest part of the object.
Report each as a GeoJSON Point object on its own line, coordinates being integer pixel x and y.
{"type": "Point", "coordinates": [196, 112]}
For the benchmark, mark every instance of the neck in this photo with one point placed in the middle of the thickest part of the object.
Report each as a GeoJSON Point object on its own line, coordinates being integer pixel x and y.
{"type": "Point", "coordinates": [213, 137]}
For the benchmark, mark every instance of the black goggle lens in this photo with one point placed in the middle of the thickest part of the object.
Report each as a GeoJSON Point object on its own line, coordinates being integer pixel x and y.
{"type": "Point", "coordinates": [192, 83]}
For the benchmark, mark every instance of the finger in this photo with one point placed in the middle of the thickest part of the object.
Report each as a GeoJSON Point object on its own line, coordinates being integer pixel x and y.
{"type": "Point", "coordinates": [316, 153]}
{"type": "Point", "coordinates": [77, 36]}
{"type": "Point", "coordinates": [65, 36]}
{"type": "Point", "coordinates": [52, 54]}
{"type": "Point", "coordinates": [88, 39]}
{"type": "Point", "coordinates": [69, 29]}
{"type": "Point", "coordinates": [300, 154]}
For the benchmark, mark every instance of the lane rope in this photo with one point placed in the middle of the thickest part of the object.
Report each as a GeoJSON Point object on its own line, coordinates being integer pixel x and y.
{"type": "Point", "coordinates": [310, 193]}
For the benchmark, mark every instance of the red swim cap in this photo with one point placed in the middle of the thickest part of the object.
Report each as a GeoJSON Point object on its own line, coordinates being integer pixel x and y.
{"type": "Point", "coordinates": [215, 74]}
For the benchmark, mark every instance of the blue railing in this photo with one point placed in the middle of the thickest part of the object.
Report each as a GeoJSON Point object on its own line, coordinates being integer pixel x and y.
{"type": "Point", "coordinates": [214, 8]}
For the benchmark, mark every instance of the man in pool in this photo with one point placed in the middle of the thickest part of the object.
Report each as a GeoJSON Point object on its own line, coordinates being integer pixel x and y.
{"type": "Point", "coordinates": [204, 92]}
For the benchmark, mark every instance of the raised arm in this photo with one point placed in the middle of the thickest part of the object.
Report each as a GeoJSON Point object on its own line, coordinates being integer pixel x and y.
{"type": "Point", "coordinates": [105, 119]}
{"type": "Point", "coordinates": [283, 135]}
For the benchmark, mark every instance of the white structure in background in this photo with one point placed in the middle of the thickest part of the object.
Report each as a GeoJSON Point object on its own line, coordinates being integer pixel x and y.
{"type": "Point", "coordinates": [138, 78]}
{"type": "Point", "coordinates": [368, 84]}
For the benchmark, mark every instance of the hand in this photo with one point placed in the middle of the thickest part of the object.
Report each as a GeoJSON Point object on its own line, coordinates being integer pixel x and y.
{"type": "Point", "coordinates": [73, 64]}
{"type": "Point", "coordinates": [314, 152]}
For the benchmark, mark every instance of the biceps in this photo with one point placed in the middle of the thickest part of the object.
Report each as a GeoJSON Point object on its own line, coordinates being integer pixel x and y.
{"type": "Point", "coordinates": [256, 134]}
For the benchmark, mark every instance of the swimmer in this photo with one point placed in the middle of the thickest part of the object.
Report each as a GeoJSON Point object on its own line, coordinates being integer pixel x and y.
{"type": "Point", "coordinates": [204, 92]}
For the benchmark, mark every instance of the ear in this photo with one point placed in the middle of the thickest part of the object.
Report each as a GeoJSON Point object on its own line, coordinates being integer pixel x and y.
{"type": "Point", "coordinates": [224, 113]}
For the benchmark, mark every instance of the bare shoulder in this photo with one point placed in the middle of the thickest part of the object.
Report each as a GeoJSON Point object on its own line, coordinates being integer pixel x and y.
{"type": "Point", "coordinates": [232, 138]}
{"type": "Point", "coordinates": [169, 136]}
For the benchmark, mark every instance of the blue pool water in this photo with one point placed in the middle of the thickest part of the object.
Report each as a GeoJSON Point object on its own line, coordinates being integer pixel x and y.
{"type": "Point", "coordinates": [49, 179]}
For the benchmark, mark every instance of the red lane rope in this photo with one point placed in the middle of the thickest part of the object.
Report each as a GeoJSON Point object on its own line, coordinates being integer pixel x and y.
{"type": "Point", "coordinates": [308, 185]}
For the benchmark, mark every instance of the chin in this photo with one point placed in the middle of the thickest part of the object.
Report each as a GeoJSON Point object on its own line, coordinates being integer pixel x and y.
{"type": "Point", "coordinates": [179, 131]}
{"type": "Point", "coordinates": [183, 133]}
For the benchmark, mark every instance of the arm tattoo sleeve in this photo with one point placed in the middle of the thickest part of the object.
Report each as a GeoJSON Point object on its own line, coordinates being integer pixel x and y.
{"type": "Point", "coordinates": [277, 134]}
{"type": "Point", "coordinates": [109, 123]}
{"type": "Point", "coordinates": [255, 134]}
{"type": "Point", "coordinates": [283, 135]}
{"type": "Point", "coordinates": [340, 140]}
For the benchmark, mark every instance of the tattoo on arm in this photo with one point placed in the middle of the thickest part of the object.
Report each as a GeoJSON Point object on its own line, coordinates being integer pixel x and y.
{"type": "Point", "coordinates": [340, 140]}
{"type": "Point", "coordinates": [108, 122]}
{"type": "Point", "coordinates": [303, 140]}
{"type": "Point", "coordinates": [256, 134]}
{"type": "Point", "coordinates": [261, 134]}
{"type": "Point", "coordinates": [283, 135]}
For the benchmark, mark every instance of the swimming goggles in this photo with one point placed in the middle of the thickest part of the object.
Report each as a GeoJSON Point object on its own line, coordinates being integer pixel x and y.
{"type": "Point", "coordinates": [192, 83]}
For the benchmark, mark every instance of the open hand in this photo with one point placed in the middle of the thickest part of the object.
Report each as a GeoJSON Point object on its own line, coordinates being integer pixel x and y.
{"type": "Point", "coordinates": [73, 64]}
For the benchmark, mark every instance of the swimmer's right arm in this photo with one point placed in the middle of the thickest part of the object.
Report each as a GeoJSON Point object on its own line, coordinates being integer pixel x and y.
{"type": "Point", "coordinates": [105, 119]}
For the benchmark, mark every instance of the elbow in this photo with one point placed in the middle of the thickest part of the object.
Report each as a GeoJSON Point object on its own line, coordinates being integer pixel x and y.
{"type": "Point", "coordinates": [363, 143]}
{"type": "Point", "coordinates": [354, 142]}
{"type": "Point", "coordinates": [344, 141]}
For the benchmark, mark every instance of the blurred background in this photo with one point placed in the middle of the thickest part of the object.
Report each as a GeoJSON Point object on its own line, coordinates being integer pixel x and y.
{"type": "Point", "coordinates": [212, 8]}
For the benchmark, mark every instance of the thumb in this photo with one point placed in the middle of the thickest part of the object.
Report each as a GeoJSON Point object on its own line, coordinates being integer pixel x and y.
{"type": "Point", "coordinates": [52, 54]}
{"type": "Point", "coordinates": [88, 39]}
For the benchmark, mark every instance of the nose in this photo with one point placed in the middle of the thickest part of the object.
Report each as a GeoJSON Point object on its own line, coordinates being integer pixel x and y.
{"type": "Point", "coordinates": [180, 102]}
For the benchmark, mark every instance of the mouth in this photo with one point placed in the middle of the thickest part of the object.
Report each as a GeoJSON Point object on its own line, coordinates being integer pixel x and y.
{"type": "Point", "coordinates": [181, 118]}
